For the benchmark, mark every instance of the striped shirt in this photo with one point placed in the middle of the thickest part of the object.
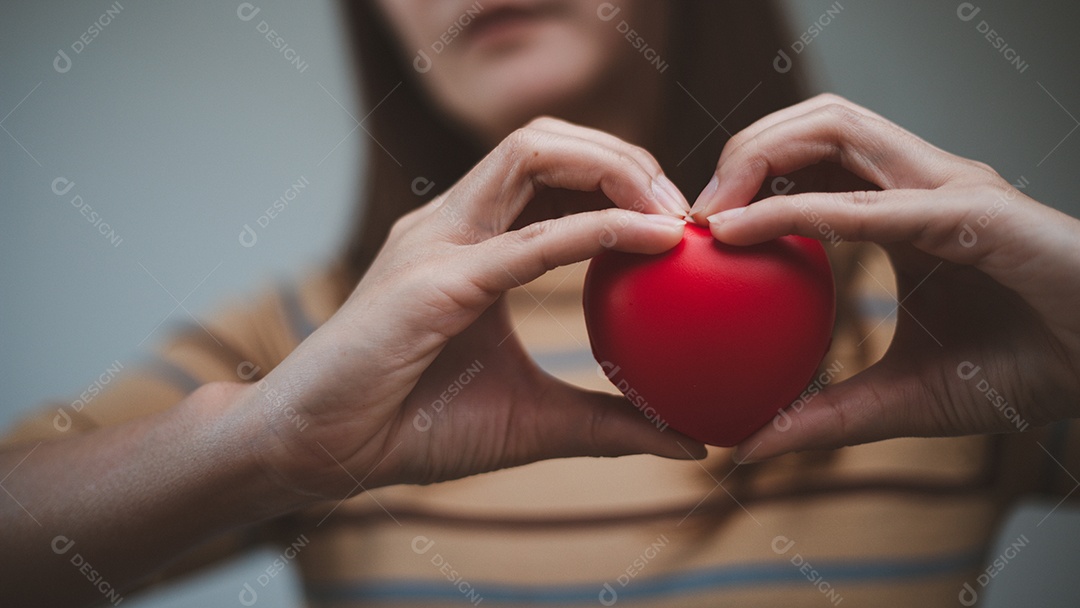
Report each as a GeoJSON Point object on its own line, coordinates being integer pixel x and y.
{"type": "Point", "coordinates": [901, 522]}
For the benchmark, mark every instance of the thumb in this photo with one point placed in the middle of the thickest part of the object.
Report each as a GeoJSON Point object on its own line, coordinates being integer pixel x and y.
{"type": "Point", "coordinates": [878, 403]}
{"type": "Point", "coordinates": [575, 422]}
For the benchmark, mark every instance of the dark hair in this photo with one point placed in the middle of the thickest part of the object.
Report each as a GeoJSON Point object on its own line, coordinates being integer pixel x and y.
{"type": "Point", "coordinates": [720, 56]}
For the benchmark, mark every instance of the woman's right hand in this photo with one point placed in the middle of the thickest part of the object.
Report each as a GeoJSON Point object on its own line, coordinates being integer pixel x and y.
{"type": "Point", "coordinates": [419, 377]}
{"type": "Point", "coordinates": [382, 393]}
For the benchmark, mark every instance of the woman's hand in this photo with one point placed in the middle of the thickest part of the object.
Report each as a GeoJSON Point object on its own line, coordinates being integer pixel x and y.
{"type": "Point", "coordinates": [988, 335]}
{"type": "Point", "coordinates": [419, 377]}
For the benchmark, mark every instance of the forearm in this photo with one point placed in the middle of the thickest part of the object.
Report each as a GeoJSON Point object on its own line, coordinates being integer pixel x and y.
{"type": "Point", "coordinates": [91, 515]}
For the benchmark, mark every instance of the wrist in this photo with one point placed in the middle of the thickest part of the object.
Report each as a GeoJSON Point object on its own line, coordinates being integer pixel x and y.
{"type": "Point", "coordinates": [230, 430]}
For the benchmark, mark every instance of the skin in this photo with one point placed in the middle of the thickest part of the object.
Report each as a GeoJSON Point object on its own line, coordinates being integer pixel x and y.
{"type": "Point", "coordinates": [226, 457]}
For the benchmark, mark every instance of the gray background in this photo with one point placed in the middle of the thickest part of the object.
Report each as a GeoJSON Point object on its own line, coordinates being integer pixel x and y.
{"type": "Point", "coordinates": [180, 123]}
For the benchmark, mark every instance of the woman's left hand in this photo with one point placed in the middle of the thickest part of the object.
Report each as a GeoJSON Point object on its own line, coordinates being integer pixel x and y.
{"type": "Point", "coordinates": [988, 280]}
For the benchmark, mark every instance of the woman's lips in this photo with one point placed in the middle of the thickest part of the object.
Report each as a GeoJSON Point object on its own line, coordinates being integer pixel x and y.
{"type": "Point", "coordinates": [504, 25]}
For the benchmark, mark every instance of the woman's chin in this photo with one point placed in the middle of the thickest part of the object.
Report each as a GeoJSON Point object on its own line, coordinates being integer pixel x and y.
{"type": "Point", "coordinates": [525, 91]}
{"type": "Point", "coordinates": [552, 68]}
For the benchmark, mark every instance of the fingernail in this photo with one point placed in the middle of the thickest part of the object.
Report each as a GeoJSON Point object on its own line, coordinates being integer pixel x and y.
{"type": "Point", "coordinates": [738, 458]}
{"type": "Point", "coordinates": [669, 196]}
{"type": "Point", "coordinates": [740, 455]}
{"type": "Point", "coordinates": [666, 221]}
{"type": "Point", "coordinates": [691, 450]}
{"type": "Point", "coordinates": [694, 452]}
{"type": "Point", "coordinates": [726, 216]}
{"type": "Point", "coordinates": [706, 195]}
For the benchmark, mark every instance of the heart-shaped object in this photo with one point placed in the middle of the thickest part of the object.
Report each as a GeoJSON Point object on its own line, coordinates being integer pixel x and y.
{"type": "Point", "coordinates": [709, 338]}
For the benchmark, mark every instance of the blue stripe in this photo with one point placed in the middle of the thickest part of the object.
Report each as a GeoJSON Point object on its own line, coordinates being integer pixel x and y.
{"type": "Point", "coordinates": [573, 360]}
{"type": "Point", "coordinates": [876, 307]}
{"type": "Point", "coordinates": [666, 587]}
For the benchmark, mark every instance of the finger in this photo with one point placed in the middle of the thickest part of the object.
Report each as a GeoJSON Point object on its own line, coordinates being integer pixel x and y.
{"type": "Point", "coordinates": [573, 422]}
{"type": "Point", "coordinates": [515, 258]}
{"type": "Point", "coordinates": [785, 114]}
{"type": "Point", "coordinates": [873, 149]}
{"type": "Point", "coordinates": [494, 193]}
{"type": "Point", "coordinates": [937, 222]}
{"type": "Point", "coordinates": [817, 178]}
{"type": "Point", "coordinates": [875, 404]}
{"type": "Point", "coordinates": [647, 161]}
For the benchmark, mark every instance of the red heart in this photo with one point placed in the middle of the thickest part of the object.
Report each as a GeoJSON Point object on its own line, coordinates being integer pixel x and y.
{"type": "Point", "coordinates": [709, 338]}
